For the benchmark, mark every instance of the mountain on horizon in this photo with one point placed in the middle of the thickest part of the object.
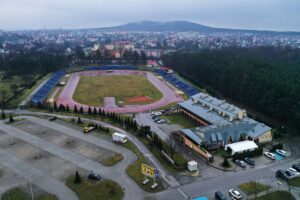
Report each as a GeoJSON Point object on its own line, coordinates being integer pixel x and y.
{"type": "Point", "coordinates": [180, 26]}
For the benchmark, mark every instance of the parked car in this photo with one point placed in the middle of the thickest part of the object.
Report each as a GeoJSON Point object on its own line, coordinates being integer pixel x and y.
{"type": "Point", "coordinates": [241, 163]}
{"type": "Point", "coordinates": [220, 196]}
{"type": "Point", "coordinates": [53, 118]}
{"type": "Point", "coordinates": [235, 194]}
{"type": "Point", "coordinates": [296, 167]}
{"type": "Point", "coordinates": [281, 152]}
{"type": "Point", "coordinates": [161, 121]}
{"type": "Point", "coordinates": [154, 113]}
{"type": "Point", "coordinates": [290, 174]}
{"type": "Point", "coordinates": [94, 176]}
{"type": "Point", "coordinates": [293, 171]}
{"type": "Point", "coordinates": [249, 161]}
{"type": "Point", "coordinates": [154, 117]}
{"type": "Point", "coordinates": [157, 119]}
{"type": "Point", "coordinates": [282, 174]}
{"type": "Point", "coordinates": [270, 155]}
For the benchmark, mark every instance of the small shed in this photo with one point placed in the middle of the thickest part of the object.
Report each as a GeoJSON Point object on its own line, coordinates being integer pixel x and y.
{"type": "Point", "coordinates": [240, 147]}
{"type": "Point", "coordinates": [192, 166]}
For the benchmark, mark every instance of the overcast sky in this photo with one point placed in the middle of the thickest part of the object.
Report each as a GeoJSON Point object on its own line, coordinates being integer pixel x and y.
{"type": "Point", "coordinates": [245, 14]}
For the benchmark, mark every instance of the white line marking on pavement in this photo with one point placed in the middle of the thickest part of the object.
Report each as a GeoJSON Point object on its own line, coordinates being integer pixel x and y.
{"type": "Point", "coordinates": [183, 194]}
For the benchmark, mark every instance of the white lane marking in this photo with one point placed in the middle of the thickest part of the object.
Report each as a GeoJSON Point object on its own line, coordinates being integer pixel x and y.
{"type": "Point", "coordinates": [183, 194]}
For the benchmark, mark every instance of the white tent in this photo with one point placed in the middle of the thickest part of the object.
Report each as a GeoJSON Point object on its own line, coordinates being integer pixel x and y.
{"type": "Point", "coordinates": [239, 147]}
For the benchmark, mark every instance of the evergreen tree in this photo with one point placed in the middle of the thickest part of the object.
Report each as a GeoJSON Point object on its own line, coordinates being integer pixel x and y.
{"type": "Point", "coordinates": [77, 179]}
{"type": "Point", "coordinates": [81, 110]}
{"type": "Point", "coordinates": [226, 163]}
{"type": "Point", "coordinates": [55, 106]}
{"type": "Point", "coordinates": [95, 111]}
{"type": "Point", "coordinates": [75, 109]}
{"type": "Point", "coordinates": [79, 120]}
{"type": "Point", "coordinates": [100, 112]}
{"type": "Point", "coordinates": [89, 111]}
{"type": "Point", "coordinates": [3, 116]}
{"type": "Point", "coordinates": [67, 109]}
{"type": "Point", "coordinates": [60, 108]}
{"type": "Point", "coordinates": [11, 119]}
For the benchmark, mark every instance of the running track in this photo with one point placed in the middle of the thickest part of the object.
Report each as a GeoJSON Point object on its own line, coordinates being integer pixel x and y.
{"type": "Point", "coordinates": [169, 95]}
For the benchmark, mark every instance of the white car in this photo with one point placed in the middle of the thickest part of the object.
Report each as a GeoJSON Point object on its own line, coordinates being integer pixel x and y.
{"type": "Point", "coordinates": [235, 194]}
{"type": "Point", "coordinates": [293, 171]}
{"type": "Point", "coordinates": [270, 155]}
{"type": "Point", "coordinates": [153, 113]}
{"type": "Point", "coordinates": [281, 152]}
{"type": "Point", "coordinates": [161, 121]}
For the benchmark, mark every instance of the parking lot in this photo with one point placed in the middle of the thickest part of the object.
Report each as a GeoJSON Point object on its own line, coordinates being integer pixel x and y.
{"type": "Point", "coordinates": [75, 145]}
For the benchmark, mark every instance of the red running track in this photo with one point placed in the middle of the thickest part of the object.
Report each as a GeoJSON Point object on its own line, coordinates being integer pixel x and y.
{"type": "Point", "coordinates": [169, 95]}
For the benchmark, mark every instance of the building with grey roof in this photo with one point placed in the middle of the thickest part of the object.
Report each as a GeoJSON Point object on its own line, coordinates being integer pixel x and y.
{"type": "Point", "coordinates": [220, 123]}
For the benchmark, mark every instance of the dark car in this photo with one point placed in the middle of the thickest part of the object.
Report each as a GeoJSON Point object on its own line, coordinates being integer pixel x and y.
{"type": "Point", "coordinates": [92, 175]}
{"type": "Point", "coordinates": [282, 174]}
{"type": "Point", "coordinates": [220, 196]}
{"type": "Point", "coordinates": [241, 163]}
{"type": "Point", "coordinates": [250, 161]}
{"type": "Point", "coordinates": [53, 118]}
{"type": "Point", "coordinates": [296, 167]}
{"type": "Point", "coordinates": [154, 117]}
{"type": "Point", "coordinates": [157, 119]}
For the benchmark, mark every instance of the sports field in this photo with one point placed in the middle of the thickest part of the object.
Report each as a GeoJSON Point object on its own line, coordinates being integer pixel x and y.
{"type": "Point", "coordinates": [126, 89]}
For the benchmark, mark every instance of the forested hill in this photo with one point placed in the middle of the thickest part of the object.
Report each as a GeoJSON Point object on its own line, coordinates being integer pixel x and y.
{"type": "Point", "coordinates": [266, 79]}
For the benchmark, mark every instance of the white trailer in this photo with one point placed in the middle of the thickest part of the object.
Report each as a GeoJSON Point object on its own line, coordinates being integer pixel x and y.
{"type": "Point", "coordinates": [119, 137]}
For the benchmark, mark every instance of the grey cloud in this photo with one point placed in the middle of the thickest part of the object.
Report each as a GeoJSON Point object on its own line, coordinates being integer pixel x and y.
{"type": "Point", "coordinates": [254, 14]}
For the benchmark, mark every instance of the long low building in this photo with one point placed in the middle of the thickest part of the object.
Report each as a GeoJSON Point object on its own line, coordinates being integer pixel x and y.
{"type": "Point", "coordinates": [220, 123]}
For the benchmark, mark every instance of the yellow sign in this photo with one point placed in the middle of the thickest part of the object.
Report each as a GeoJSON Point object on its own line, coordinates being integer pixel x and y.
{"type": "Point", "coordinates": [148, 171]}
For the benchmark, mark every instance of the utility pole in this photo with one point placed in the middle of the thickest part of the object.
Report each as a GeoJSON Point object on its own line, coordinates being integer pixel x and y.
{"type": "Point", "coordinates": [29, 177]}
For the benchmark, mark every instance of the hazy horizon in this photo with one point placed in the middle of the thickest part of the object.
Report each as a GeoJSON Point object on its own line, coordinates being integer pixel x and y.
{"type": "Point", "coordinates": [275, 15]}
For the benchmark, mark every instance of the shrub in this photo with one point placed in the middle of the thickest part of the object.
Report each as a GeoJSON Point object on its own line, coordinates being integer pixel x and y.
{"type": "Point", "coordinates": [77, 179]}
{"type": "Point", "coordinates": [226, 163]}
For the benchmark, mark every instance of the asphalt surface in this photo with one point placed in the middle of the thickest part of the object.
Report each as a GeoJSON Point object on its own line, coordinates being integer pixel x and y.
{"type": "Point", "coordinates": [169, 179]}
{"type": "Point", "coordinates": [264, 173]}
{"type": "Point", "coordinates": [37, 177]}
{"type": "Point", "coordinates": [146, 120]}
{"type": "Point", "coordinates": [116, 173]}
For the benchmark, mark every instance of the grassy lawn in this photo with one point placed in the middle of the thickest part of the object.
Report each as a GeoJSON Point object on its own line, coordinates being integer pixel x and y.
{"type": "Point", "coordinates": [277, 195]}
{"type": "Point", "coordinates": [224, 154]}
{"type": "Point", "coordinates": [17, 194]}
{"type": "Point", "coordinates": [102, 190]}
{"type": "Point", "coordinates": [9, 85]}
{"type": "Point", "coordinates": [47, 197]}
{"type": "Point", "coordinates": [134, 170]}
{"type": "Point", "coordinates": [156, 152]}
{"type": "Point", "coordinates": [113, 160]}
{"type": "Point", "coordinates": [26, 92]}
{"type": "Point", "coordinates": [295, 182]}
{"type": "Point", "coordinates": [91, 90]}
{"type": "Point", "coordinates": [178, 118]}
{"type": "Point", "coordinates": [252, 187]}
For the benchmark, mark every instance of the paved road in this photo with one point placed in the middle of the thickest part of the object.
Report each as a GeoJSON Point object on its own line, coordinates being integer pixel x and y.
{"type": "Point", "coordinates": [116, 173]}
{"type": "Point", "coordinates": [39, 178]}
{"type": "Point", "coordinates": [210, 185]}
{"type": "Point", "coordinates": [145, 119]}
{"type": "Point", "coordinates": [229, 180]}
{"type": "Point", "coordinates": [168, 178]}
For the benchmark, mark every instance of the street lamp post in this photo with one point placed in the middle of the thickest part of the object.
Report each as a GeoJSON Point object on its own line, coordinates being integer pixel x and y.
{"type": "Point", "coordinates": [29, 177]}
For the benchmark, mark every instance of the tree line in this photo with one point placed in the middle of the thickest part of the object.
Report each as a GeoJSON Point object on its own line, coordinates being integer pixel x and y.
{"type": "Point", "coordinates": [32, 64]}
{"type": "Point", "coordinates": [263, 78]}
